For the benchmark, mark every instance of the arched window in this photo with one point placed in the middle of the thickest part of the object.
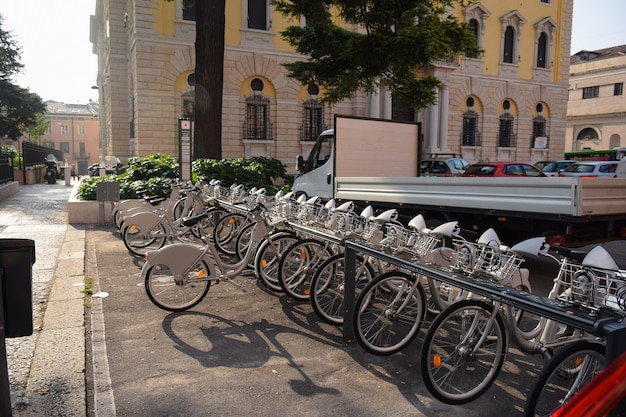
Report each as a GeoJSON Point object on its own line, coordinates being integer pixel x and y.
{"type": "Point", "coordinates": [542, 49]}
{"type": "Point", "coordinates": [540, 132]}
{"type": "Point", "coordinates": [312, 119]}
{"type": "Point", "coordinates": [188, 98]}
{"type": "Point", "coordinates": [587, 134]}
{"type": "Point", "coordinates": [509, 43]}
{"type": "Point", "coordinates": [257, 125]}
{"type": "Point", "coordinates": [539, 126]}
{"type": "Point", "coordinates": [505, 131]}
{"type": "Point", "coordinates": [470, 135]}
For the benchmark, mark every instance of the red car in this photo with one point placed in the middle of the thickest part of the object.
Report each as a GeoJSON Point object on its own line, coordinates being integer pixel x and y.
{"type": "Point", "coordinates": [503, 169]}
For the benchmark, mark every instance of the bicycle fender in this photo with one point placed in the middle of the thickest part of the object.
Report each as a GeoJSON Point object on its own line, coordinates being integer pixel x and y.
{"type": "Point", "coordinates": [177, 256]}
{"type": "Point", "coordinates": [144, 221]}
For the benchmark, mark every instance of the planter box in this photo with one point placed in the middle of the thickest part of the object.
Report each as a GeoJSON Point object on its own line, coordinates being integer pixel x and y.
{"type": "Point", "coordinates": [88, 212]}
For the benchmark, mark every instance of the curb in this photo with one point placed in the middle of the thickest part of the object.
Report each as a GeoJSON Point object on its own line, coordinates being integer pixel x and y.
{"type": "Point", "coordinates": [56, 383]}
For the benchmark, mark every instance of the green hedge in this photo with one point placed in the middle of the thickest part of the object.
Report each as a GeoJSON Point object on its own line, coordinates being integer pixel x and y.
{"type": "Point", "coordinates": [153, 174]}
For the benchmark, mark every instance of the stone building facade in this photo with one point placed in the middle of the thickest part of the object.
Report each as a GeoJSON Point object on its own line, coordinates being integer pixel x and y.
{"type": "Point", "coordinates": [596, 109]}
{"type": "Point", "coordinates": [508, 103]}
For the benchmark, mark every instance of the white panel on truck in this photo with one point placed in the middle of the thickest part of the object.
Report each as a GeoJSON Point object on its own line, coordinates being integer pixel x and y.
{"type": "Point", "coordinates": [375, 148]}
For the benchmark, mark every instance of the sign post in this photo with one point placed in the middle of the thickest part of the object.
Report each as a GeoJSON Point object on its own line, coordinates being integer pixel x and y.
{"type": "Point", "coordinates": [185, 134]}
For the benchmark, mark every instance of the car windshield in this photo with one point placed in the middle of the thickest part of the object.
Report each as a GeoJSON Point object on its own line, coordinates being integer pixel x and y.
{"type": "Point", "coordinates": [548, 166]}
{"type": "Point", "coordinates": [580, 168]}
{"type": "Point", "coordinates": [433, 167]}
{"type": "Point", "coordinates": [480, 169]}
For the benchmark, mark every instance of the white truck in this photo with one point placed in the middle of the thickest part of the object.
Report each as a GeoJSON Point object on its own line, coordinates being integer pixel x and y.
{"type": "Point", "coordinates": [376, 162]}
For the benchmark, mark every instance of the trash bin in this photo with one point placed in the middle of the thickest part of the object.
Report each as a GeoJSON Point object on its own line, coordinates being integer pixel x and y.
{"type": "Point", "coordinates": [17, 257]}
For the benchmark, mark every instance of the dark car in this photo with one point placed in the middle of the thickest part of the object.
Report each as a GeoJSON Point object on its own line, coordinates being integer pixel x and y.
{"type": "Point", "coordinates": [503, 169]}
{"type": "Point", "coordinates": [437, 166]}
{"type": "Point", "coordinates": [552, 168]}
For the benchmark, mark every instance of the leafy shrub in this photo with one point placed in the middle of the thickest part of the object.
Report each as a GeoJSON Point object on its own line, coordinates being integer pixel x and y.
{"type": "Point", "coordinates": [154, 173]}
{"type": "Point", "coordinates": [257, 172]}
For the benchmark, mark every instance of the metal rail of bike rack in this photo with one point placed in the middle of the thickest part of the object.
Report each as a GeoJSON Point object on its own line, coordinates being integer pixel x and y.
{"type": "Point", "coordinates": [612, 328]}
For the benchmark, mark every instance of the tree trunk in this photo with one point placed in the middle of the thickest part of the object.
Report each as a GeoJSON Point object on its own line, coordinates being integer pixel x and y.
{"type": "Point", "coordinates": [209, 78]}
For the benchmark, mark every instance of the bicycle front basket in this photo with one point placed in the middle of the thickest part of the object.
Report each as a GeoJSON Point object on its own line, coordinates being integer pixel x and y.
{"type": "Point", "coordinates": [484, 261]}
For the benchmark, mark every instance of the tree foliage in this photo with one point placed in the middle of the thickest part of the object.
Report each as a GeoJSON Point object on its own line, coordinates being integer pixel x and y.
{"type": "Point", "coordinates": [394, 42]}
{"type": "Point", "coordinates": [18, 106]}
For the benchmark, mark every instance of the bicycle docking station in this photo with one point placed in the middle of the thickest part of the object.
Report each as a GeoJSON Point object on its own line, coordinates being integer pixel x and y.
{"type": "Point", "coordinates": [106, 192]}
{"type": "Point", "coordinates": [612, 328]}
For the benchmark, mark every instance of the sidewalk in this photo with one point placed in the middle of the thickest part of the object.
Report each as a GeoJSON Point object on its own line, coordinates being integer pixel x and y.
{"type": "Point", "coordinates": [47, 369]}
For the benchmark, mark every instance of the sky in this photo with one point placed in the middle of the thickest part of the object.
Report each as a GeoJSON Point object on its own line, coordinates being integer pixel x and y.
{"type": "Point", "coordinates": [59, 64]}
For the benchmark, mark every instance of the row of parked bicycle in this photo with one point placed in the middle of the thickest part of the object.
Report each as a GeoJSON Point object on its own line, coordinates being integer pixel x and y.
{"type": "Point", "coordinates": [204, 233]}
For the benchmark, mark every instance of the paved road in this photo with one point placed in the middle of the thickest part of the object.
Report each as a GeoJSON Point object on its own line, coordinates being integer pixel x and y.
{"type": "Point", "coordinates": [256, 353]}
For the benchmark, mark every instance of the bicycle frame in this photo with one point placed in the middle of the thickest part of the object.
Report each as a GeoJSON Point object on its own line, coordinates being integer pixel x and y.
{"type": "Point", "coordinates": [146, 221]}
{"type": "Point", "coordinates": [182, 257]}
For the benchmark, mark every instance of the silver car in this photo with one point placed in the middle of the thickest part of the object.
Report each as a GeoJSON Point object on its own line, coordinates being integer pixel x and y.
{"type": "Point", "coordinates": [591, 169]}
{"type": "Point", "coordinates": [553, 168]}
{"type": "Point", "coordinates": [443, 167]}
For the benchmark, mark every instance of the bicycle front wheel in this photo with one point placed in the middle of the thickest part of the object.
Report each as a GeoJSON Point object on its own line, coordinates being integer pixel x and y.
{"type": "Point", "coordinates": [328, 287]}
{"type": "Point", "coordinates": [564, 375]}
{"type": "Point", "coordinates": [463, 352]}
{"type": "Point", "coordinates": [389, 313]}
{"type": "Point", "coordinates": [139, 243]}
{"type": "Point", "coordinates": [175, 293]}
{"type": "Point", "coordinates": [298, 265]}
{"type": "Point", "coordinates": [268, 256]}
{"type": "Point", "coordinates": [226, 231]}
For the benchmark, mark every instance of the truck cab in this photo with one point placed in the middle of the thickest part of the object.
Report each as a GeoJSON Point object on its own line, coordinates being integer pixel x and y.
{"type": "Point", "coordinates": [315, 174]}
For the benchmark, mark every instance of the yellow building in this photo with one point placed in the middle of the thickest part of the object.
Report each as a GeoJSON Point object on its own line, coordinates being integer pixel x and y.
{"type": "Point", "coordinates": [508, 103]}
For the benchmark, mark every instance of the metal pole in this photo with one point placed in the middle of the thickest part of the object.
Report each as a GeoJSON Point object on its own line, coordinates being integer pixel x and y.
{"type": "Point", "coordinates": [5, 392]}
{"type": "Point", "coordinates": [349, 293]}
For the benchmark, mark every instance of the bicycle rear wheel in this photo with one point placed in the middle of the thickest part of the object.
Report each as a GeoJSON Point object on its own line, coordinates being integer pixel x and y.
{"type": "Point", "coordinates": [298, 265]}
{"type": "Point", "coordinates": [139, 243]}
{"type": "Point", "coordinates": [565, 374]}
{"type": "Point", "coordinates": [328, 287]}
{"type": "Point", "coordinates": [462, 354]}
{"type": "Point", "coordinates": [389, 313]}
{"type": "Point", "coordinates": [206, 226]}
{"type": "Point", "coordinates": [174, 293]}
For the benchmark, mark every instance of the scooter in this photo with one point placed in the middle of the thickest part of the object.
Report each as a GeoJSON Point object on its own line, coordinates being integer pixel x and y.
{"type": "Point", "coordinates": [51, 172]}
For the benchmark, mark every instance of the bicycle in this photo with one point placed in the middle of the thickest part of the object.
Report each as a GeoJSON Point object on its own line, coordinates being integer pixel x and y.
{"type": "Point", "coordinates": [300, 261]}
{"type": "Point", "coordinates": [390, 310]}
{"type": "Point", "coordinates": [465, 347]}
{"type": "Point", "coordinates": [328, 283]}
{"type": "Point", "coordinates": [600, 286]}
{"type": "Point", "coordinates": [269, 251]}
{"type": "Point", "coordinates": [146, 230]}
{"type": "Point", "coordinates": [177, 277]}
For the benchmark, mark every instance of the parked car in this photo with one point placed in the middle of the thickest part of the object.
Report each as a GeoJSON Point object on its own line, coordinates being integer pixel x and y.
{"type": "Point", "coordinates": [590, 169]}
{"type": "Point", "coordinates": [442, 166]}
{"type": "Point", "coordinates": [503, 169]}
{"type": "Point", "coordinates": [552, 168]}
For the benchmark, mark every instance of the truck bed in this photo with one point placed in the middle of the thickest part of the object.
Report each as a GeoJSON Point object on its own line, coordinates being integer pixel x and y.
{"type": "Point", "coordinates": [576, 197]}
